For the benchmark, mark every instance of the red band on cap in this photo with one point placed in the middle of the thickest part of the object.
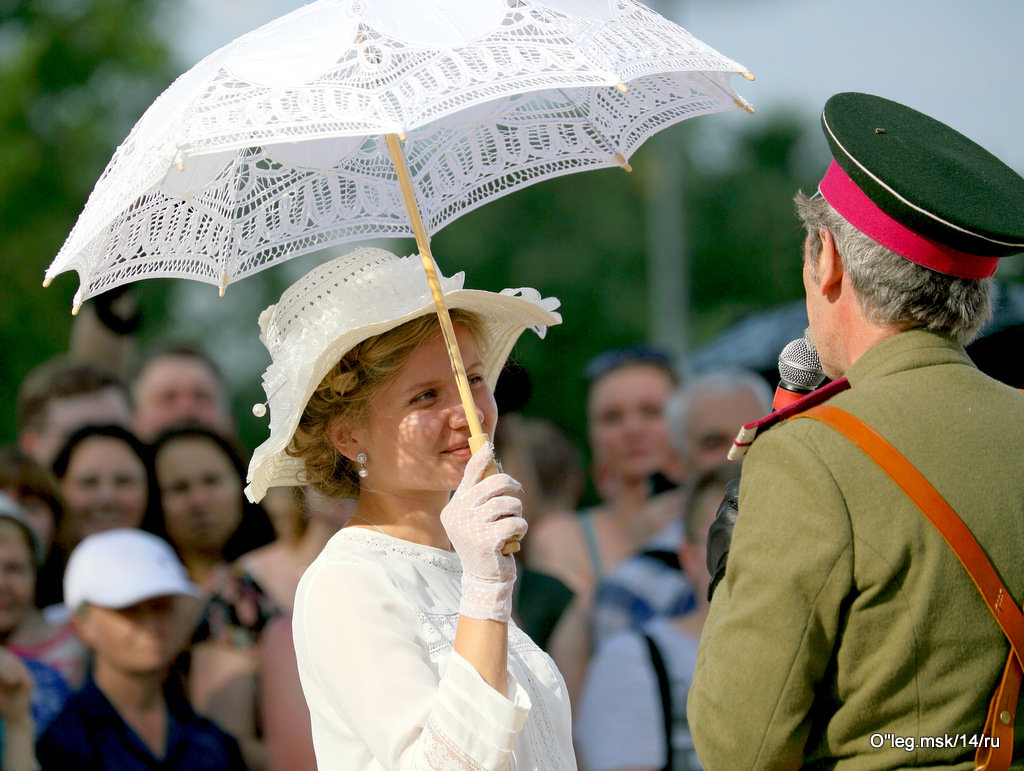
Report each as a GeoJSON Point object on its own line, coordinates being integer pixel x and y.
{"type": "Point", "coordinates": [861, 212]}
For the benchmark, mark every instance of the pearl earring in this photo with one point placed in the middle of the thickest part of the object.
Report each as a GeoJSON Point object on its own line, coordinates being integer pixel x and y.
{"type": "Point", "coordinates": [361, 460]}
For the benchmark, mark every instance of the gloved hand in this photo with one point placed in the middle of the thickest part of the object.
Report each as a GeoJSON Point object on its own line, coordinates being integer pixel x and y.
{"type": "Point", "coordinates": [481, 516]}
{"type": "Point", "coordinates": [720, 533]}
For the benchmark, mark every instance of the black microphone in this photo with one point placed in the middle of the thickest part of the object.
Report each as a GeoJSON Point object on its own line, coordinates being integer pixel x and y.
{"type": "Point", "coordinates": [799, 371]}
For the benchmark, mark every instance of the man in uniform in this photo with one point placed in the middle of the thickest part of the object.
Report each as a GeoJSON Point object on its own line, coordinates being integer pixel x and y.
{"type": "Point", "coordinates": [845, 633]}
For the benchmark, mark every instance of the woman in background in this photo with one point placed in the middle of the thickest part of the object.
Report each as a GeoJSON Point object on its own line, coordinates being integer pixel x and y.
{"type": "Point", "coordinates": [106, 476]}
{"type": "Point", "coordinates": [23, 630]}
{"type": "Point", "coordinates": [210, 524]}
{"type": "Point", "coordinates": [626, 394]}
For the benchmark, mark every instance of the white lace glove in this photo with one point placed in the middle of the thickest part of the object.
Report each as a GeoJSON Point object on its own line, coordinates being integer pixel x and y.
{"type": "Point", "coordinates": [481, 516]}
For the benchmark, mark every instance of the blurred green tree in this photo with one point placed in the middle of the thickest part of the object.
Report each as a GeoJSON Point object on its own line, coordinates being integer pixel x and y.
{"type": "Point", "coordinates": [76, 75]}
{"type": "Point", "coordinates": [746, 239]}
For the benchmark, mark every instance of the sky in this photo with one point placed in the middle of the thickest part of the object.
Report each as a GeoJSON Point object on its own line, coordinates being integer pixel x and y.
{"type": "Point", "coordinates": [961, 62]}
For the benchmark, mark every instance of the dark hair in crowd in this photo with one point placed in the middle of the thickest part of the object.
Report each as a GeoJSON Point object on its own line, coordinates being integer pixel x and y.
{"type": "Point", "coordinates": [59, 378]}
{"type": "Point", "coordinates": [31, 479]}
{"type": "Point", "coordinates": [640, 355]}
{"type": "Point", "coordinates": [180, 348]}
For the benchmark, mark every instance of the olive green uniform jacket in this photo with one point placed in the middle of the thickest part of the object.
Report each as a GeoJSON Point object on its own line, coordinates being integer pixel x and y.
{"type": "Point", "coordinates": [845, 628]}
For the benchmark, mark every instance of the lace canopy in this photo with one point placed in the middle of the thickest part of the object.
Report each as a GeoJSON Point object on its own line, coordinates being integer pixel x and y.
{"type": "Point", "coordinates": [273, 146]}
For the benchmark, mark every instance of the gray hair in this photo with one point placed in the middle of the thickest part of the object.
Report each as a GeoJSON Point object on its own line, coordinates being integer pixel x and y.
{"type": "Point", "coordinates": [891, 289]}
{"type": "Point", "coordinates": [677, 408]}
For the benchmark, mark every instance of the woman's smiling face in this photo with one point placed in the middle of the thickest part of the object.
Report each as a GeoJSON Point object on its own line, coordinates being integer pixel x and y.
{"type": "Point", "coordinates": [628, 431]}
{"type": "Point", "coordinates": [415, 433]}
{"type": "Point", "coordinates": [105, 485]}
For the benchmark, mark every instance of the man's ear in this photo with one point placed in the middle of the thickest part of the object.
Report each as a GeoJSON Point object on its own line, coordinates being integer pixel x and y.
{"type": "Point", "coordinates": [830, 265]}
{"type": "Point", "coordinates": [79, 622]}
{"type": "Point", "coordinates": [344, 439]}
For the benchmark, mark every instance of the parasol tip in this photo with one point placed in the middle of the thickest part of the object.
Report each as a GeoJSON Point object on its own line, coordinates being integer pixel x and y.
{"type": "Point", "coordinates": [179, 161]}
{"type": "Point", "coordinates": [623, 162]}
{"type": "Point", "coordinates": [223, 284]}
{"type": "Point", "coordinates": [47, 281]}
{"type": "Point", "coordinates": [747, 75]}
{"type": "Point", "coordinates": [622, 87]}
{"type": "Point", "coordinates": [744, 105]}
{"type": "Point", "coordinates": [76, 308]}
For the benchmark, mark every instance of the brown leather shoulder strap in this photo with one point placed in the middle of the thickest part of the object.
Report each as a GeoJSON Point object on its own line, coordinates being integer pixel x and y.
{"type": "Point", "coordinates": [938, 511]}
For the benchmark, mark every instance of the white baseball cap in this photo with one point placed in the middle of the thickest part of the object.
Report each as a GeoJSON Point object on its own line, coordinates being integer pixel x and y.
{"type": "Point", "coordinates": [118, 568]}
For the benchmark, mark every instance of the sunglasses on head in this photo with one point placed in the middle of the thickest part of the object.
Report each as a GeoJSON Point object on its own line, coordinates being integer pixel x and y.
{"type": "Point", "coordinates": [617, 358]}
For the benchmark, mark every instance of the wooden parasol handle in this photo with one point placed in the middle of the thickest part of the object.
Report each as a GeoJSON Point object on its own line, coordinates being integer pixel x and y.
{"type": "Point", "coordinates": [477, 438]}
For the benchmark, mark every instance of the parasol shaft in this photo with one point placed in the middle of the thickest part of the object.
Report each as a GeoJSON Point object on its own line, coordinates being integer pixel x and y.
{"type": "Point", "coordinates": [477, 437]}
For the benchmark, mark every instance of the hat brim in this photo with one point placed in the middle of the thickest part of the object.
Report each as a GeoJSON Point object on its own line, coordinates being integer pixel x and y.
{"type": "Point", "coordinates": [126, 596]}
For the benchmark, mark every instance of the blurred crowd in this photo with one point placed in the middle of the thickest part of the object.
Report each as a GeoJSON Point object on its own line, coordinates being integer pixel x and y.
{"type": "Point", "coordinates": [145, 602]}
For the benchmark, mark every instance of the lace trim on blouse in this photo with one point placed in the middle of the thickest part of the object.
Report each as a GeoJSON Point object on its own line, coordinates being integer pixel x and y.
{"type": "Point", "coordinates": [447, 561]}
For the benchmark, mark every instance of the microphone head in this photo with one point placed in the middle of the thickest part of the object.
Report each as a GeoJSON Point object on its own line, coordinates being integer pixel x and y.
{"type": "Point", "coordinates": [799, 366]}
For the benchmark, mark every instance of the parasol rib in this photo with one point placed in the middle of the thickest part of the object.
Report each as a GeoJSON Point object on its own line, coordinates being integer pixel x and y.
{"type": "Point", "coordinates": [477, 437]}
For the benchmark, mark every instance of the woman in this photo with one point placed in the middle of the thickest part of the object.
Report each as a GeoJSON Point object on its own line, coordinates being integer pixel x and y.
{"type": "Point", "coordinates": [402, 634]}
{"type": "Point", "coordinates": [23, 631]}
{"type": "Point", "coordinates": [22, 627]}
{"type": "Point", "coordinates": [106, 477]}
{"type": "Point", "coordinates": [210, 525]}
{"type": "Point", "coordinates": [206, 517]}
{"type": "Point", "coordinates": [627, 390]}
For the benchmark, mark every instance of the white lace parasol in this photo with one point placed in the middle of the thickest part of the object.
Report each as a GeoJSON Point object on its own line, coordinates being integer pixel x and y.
{"type": "Point", "coordinates": [277, 144]}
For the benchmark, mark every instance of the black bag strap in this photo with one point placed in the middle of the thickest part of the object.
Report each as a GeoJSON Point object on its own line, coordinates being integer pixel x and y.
{"type": "Point", "coordinates": [667, 558]}
{"type": "Point", "coordinates": [666, 697]}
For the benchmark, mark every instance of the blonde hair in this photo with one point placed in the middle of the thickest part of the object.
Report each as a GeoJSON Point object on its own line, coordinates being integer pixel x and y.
{"type": "Point", "coordinates": [344, 394]}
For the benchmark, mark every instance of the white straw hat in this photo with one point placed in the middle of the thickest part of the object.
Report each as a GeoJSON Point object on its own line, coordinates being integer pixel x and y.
{"type": "Point", "coordinates": [341, 303]}
{"type": "Point", "coordinates": [123, 567]}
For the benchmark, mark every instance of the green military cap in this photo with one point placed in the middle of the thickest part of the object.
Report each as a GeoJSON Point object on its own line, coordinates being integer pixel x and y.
{"type": "Point", "coordinates": [920, 188]}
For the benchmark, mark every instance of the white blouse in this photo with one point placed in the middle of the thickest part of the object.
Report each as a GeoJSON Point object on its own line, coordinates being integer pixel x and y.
{"type": "Point", "coordinates": [374, 625]}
